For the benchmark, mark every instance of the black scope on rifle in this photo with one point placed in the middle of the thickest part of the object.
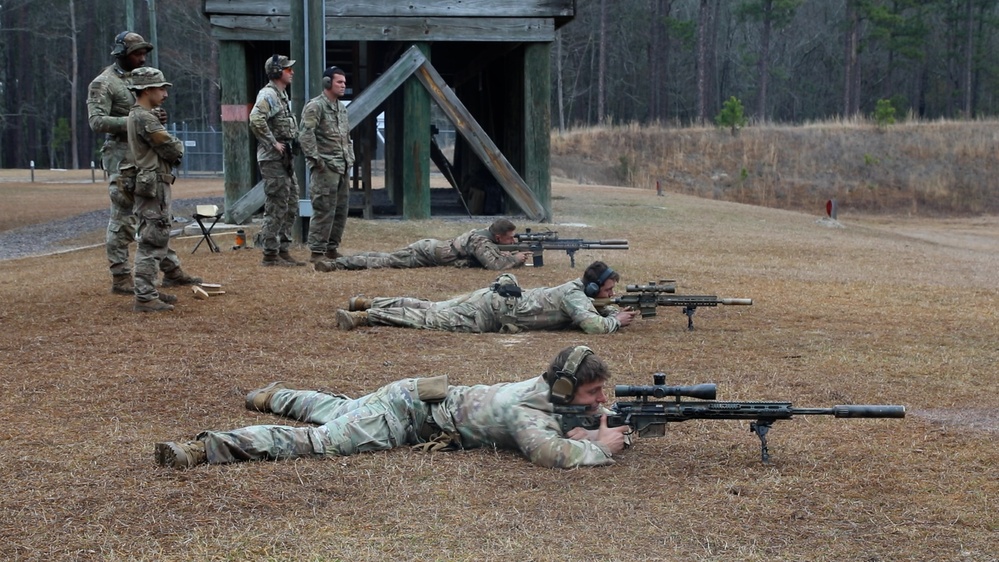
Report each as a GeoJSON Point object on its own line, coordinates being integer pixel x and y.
{"type": "Point", "coordinates": [663, 286]}
{"type": "Point", "coordinates": [528, 236]}
{"type": "Point", "coordinates": [660, 389]}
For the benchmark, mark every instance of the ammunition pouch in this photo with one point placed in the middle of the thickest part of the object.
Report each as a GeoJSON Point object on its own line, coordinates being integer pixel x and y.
{"type": "Point", "coordinates": [146, 183]}
{"type": "Point", "coordinates": [126, 180]}
{"type": "Point", "coordinates": [432, 389]}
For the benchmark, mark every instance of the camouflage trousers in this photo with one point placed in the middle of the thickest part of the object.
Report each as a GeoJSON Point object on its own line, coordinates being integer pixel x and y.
{"type": "Point", "coordinates": [423, 253]}
{"type": "Point", "coordinates": [392, 416]}
{"type": "Point", "coordinates": [153, 253]}
{"type": "Point", "coordinates": [280, 206]}
{"type": "Point", "coordinates": [330, 194]}
{"type": "Point", "coordinates": [123, 222]}
{"type": "Point", "coordinates": [476, 312]}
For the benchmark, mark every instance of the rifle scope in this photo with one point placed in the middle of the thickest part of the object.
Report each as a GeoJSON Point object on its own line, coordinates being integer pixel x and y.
{"type": "Point", "coordinates": [664, 286]}
{"type": "Point", "coordinates": [705, 391]}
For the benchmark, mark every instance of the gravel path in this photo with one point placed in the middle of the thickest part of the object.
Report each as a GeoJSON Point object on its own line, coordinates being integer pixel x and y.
{"type": "Point", "coordinates": [53, 236]}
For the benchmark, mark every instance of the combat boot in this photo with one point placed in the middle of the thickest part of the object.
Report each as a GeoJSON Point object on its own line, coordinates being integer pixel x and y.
{"type": "Point", "coordinates": [260, 400]}
{"type": "Point", "coordinates": [357, 304]}
{"type": "Point", "coordinates": [333, 254]}
{"type": "Point", "coordinates": [286, 256]}
{"type": "Point", "coordinates": [316, 257]}
{"type": "Point", "coordinates": [181, 455]}
{"type": "Point", "coordinates": [167, 298]}
{"type": "Point", "coordinates": [273, 260]}
{"type": "Point", "coordinates": [155, 305]}
{"type": "Point", "coordinates": [326, 266]}
{"type": "Point", "coordinates": [347, 321]}
{"type": "Point", "coordinates": [122, 284]}
{"type": "Point", "coordinates": [177, 278]}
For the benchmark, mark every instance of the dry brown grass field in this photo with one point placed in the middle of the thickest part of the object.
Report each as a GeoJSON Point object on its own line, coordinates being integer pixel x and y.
{"type": "Point", "coordinates": [888, 309]}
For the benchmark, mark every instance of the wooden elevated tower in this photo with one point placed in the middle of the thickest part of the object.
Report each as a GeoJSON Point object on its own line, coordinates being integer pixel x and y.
{"type": "Point", "coordinates": [486, 63]}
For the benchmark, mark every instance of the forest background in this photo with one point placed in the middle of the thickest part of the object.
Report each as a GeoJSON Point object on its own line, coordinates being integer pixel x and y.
{"type": "Point", "coordinates": [672, 63]}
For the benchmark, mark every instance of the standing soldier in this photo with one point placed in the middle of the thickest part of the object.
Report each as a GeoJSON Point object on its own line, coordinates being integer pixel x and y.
{"type": "Point", "coordinates": [274, 126]}
{"type": "Point", "coordinates": [108, 104]}
{"type": "Point", "coordinates": [154, 153]}
{"type": "Point", "coordinates": [325, 138]}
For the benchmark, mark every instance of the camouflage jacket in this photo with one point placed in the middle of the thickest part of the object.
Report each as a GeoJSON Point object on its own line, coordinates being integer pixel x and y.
{"type": "Point", "coordinates": [478, 248]}
{"type": "Point", "coordinates": [325, 134]}
{"type": "Point", "coordinates": [271, 121]}
{"type": "Point", "coordinates": [108, 103]}
{"type": "Point", "coordinates": [150, 146]}
{"type": "Point", "coordinates": [553, 308]}
{"type": "Point", "coordinates": [515, 416]}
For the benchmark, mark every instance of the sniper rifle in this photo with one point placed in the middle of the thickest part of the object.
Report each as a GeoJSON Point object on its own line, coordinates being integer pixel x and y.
{"type": "Point", "coordinates": [648, 418]}
{"type": "Point", "coordinates": [646, 298]}
{"type": "Point", "coordinates": [537, 242]}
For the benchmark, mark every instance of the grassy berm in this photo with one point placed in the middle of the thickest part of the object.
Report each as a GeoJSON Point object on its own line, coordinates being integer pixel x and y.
{"type": "Point", "coordinates": [882, 309]}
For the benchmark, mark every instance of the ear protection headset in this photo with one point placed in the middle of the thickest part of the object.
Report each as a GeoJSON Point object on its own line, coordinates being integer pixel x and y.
{"type": "Point", "coordinates": [564, 385]}
{"type": "Point", "coordinates": [328, 76]}
{"type": "Point", "coordinates": [276, 69]}
{"type": "Point", "coordinates": [592, 288]}
{"type": "Point", "coordinates": [119, 44]}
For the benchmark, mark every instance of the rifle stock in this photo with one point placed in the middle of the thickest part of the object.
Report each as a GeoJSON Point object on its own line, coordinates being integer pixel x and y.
{"type": "Point", "coordinates": [648, 418]}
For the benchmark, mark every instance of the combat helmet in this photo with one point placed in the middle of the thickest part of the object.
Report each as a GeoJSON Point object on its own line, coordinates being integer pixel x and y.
{"type": "Point", "coordinates": [147, 77]}
{"type": "Point", "coordinates": [275, 65]}
{"type": "Point", "coordinates": [127, 42]}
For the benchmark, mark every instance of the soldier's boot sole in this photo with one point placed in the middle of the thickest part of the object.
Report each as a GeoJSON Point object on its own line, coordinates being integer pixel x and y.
{"type": "Point", "coordinates": [180, 455]}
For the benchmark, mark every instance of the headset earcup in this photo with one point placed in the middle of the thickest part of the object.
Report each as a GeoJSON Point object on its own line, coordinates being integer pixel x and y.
{"type": "Point", "coordinates": [562, 389]}
{"type": "Point", "coordinates": [327, 82]}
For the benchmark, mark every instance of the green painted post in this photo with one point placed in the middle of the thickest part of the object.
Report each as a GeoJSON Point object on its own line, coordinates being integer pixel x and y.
{"type": "Point", "coordinates": [238, 147]}
{"type": "Point", "coordinates": [537, 123]}
{"type": "Point", "coordinates": [416, 147]}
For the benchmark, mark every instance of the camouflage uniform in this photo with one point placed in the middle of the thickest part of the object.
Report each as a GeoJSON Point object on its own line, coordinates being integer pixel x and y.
{"type": "Point", "coordinates": [154, 152]}
{"type": "Point", "coordinates": [325, 137]}
{"type": "Point", "coordinates": [514, 416]}
{"type": "Point", "coordinates": [271, 121]}
{"type": "Point", "coordinates": [108, 105]}
{"type": "Point", "coordinates": [476, 247]}
{"type": "Point", "coordinates": [485, 310]}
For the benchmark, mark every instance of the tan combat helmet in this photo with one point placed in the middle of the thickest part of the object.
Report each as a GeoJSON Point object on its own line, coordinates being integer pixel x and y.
{"type": "Point", "coordinates": [276, 65]}
{"type": "Point", "coordinates": [147, 77]}
{"type": "Point", "coordinates": [127, 42]}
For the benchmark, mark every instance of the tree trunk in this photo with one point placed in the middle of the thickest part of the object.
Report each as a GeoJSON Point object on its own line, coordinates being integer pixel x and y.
{"type": "Point", "coordinates": [602, 64]}
{"type": "Point", "coordinates": [969, 58]}
{"type": "Point", "coordinates": [558, 82]}
{"type": "Point", "coordinates": [703, 30]}
{"type": "Point", "coordinates": [763, 65]}
{"type": "Point", "coordinates": [74, 80]}
{"type": "Point", "coordinates": [850, 58]}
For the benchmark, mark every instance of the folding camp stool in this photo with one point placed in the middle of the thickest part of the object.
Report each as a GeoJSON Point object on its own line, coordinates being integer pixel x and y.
{"type": "Point", "coordinates": [206, 231]}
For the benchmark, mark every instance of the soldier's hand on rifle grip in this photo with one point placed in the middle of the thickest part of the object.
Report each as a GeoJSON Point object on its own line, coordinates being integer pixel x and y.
{"type": "Point", "coordinates": [626, 316]}
{"type": "Point", "coordinates": [523, 257]}
{"type": "Point", "coordinates": [611, 437]}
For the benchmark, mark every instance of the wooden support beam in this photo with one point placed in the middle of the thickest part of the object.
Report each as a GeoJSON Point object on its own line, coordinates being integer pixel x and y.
{"type": "Point", "coordinates": [406, 8]}
{"type": "Point", "coordinates": [277, 28]}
